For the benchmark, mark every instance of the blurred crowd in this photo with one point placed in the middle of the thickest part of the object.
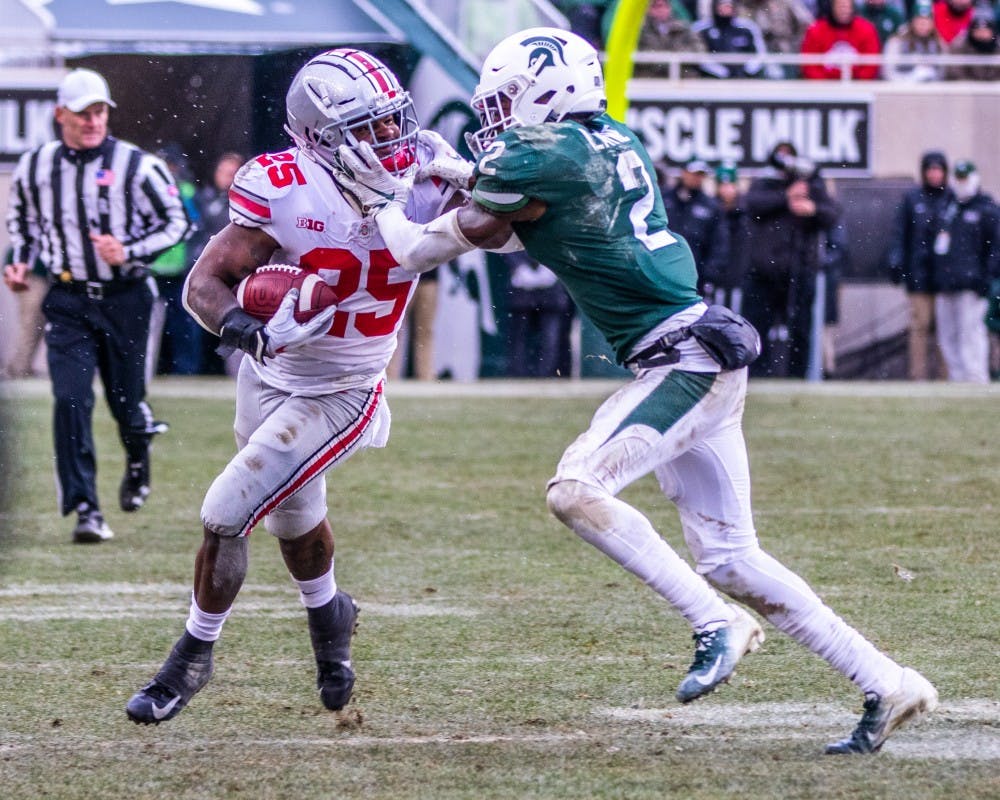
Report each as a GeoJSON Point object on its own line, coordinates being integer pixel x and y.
{"type": "Point", "coordinates": [810, 28]}
{"type": "Point", "coordinates": [774, 249]}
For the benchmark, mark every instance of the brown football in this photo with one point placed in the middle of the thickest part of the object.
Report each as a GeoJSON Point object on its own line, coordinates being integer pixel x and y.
{"type": "Point", "coordinates": [261, 292]}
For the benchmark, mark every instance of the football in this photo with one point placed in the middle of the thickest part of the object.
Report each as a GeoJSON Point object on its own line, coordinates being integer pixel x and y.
{"type": "Point", "coordinates": [261, 292]}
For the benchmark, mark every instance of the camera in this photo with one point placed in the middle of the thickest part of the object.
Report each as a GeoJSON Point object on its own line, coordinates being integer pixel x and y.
{"type": "Point", "coordinates": [795, 167]}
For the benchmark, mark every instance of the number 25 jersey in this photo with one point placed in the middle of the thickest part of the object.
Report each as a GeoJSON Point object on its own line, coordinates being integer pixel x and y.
{"type": "Point", "coordinates": [296, 202]}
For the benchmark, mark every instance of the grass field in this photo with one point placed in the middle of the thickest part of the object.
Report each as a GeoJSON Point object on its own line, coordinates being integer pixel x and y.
{"type": "Point", "coordinates": [497, 655]}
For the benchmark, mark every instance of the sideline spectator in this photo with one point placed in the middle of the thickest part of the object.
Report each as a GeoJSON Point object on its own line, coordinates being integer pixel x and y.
{"type": "Point", "coordinates": [783, 23]}
{"type": "Point", "coordinates": [213, 202]}
{"type": "Point", "coordinates": [993, 326]}
{"type": "Point", "coordinates": [979, 39]}
{"type": "Point", "coordinates": [919, 37]}
{"type": "Point", "coordinates": [414, 355]}
{"type": "Point", "coordinates": [884, 15]}
{"type": "Point", "coordinates": [962, 273]}
{"type": "Point", "coordinates": [723, 32]}
{"type": "Point", "coordinates": [698, 218]}
{"type": "Point", "coordinates": [788, 208]}
{"type": "Point", "coordinates": [728, 290]}
{"type": "Point", "coordinates": [70, 202]}
{"type": "Point", "coordinates": [30, 320]}
{"type": "Point", "coordinates": [835, 260]}
{"type": "Point", "coordinates": [541, 313]}
{"type": "Point", "coordinates": [951, 17]}
{"type": "Point", "coordinates": [662, 31]}
{"type": "Point", "coordinates": [916, 235]}
{"type": "Point", "coordinates": [586, 18]}
{"type": "Point", "coordinates": [174, 337]}
{"type": "Point", "coordinates": [840, 33]}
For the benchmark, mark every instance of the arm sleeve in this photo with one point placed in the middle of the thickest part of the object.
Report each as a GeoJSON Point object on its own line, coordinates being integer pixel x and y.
{"type": "Point", "coordinates": [158, 195]}
{"type": "Point", "coordinates": [418, 247]}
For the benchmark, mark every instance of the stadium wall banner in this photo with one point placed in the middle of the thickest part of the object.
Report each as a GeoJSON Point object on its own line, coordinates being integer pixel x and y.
{"type": "Point", "coordinates": [833, 133]}
{"type": "Point", "coordinates": [26, 117]}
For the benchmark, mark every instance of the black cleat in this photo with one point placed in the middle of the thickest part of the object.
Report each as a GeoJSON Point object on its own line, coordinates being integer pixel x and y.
{"type": "Point", "coordinates": [187, 669]}
{"type": "Point", "coordinates": [882, 715]}
{"type": "Point", "coordinates": [134, 488]}
{"type": "Point", "coordinates": [90, 526]}
{"type": "Point", "coordinates": [330, 629]}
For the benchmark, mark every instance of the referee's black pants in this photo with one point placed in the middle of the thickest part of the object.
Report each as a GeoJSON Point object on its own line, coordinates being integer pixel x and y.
{"type": "Point", "coordinates": [109, 335]}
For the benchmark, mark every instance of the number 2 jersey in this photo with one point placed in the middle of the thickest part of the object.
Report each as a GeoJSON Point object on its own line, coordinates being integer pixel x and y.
{"type": "Point", "coordinates": [296, 202]}
{"type": "Point", "coordinates": [604, 233]}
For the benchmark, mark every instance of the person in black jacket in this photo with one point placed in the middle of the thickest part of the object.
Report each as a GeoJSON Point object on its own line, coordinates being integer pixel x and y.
{"type": "Point", "coordinates": [698, 218]}
{"type": "Point", "coordinates": [724, 32]}
{"type": "Point", "coordinates": [962, 274]}
{"type": "Point", "coordinates": [917, 233]}
{"type": "Point", "coordinates": [728, 290]}
{"type": "Point", "coordinates": [788, 208]}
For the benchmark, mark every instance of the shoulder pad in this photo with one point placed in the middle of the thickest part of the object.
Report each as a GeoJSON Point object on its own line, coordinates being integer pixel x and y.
{"type": "Point", "coordinates": [254, 188]}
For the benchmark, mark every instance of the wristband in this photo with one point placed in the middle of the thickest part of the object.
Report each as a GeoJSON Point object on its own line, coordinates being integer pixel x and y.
{"type": "Point", "coordinates": [240, 331]}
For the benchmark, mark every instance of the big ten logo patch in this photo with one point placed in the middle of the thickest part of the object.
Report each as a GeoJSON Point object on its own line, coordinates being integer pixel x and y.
{"type": "Point", "coordinates": [310, 224]}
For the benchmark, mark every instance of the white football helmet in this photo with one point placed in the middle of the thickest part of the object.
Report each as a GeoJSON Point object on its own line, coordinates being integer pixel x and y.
{"type": "Point", "coordinates": [535, 76]}
{"type": "Point", "coordinates": [340, 91]}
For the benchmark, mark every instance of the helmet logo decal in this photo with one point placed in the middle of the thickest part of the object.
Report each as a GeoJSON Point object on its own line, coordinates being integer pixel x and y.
{"type": "Point", "coordinates": [544, 52]}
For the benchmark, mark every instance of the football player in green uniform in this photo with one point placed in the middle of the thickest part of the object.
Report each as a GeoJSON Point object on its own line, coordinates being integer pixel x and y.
{"type": "Point", "coordinates": [572, 186]}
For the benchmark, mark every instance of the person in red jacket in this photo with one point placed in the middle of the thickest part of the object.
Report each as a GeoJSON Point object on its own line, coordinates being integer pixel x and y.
{"type": "Point", "coordinates": [951, 17]}
{"type": "Point", "coordinates": [838, 33]}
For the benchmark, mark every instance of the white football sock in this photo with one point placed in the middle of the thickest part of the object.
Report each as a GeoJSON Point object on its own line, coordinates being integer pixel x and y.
{"type": "Point", "coordinates": [765, 585]}
{"type": "Point", "coordinates": [317, 592]}
{"type": "Point", "coordinates": [202, 625]}
{"type": "Point", "coordinates": [626, 536]}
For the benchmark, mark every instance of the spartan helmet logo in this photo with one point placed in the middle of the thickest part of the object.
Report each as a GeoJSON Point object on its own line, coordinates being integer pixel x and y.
{"type": "Point", "coordinates": [543, 53]}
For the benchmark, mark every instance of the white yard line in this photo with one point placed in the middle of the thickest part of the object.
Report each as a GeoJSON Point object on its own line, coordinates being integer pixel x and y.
{"type": "Point", "coordinates": [935, 737]}
{"type": "Point", "coordinates": [224, 388]}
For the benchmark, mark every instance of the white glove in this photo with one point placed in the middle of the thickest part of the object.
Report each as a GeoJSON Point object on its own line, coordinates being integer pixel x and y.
{"type": "Point", "coordinates": [367, 184]}
{"type": "Point", "coordinates": [283, 332]}
{"type": "Point", "coordinates": [446, 164]}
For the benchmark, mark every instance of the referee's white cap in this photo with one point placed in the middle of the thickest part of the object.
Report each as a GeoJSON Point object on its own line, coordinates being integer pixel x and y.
{"type": "Point", "coordinates": [81, 88]}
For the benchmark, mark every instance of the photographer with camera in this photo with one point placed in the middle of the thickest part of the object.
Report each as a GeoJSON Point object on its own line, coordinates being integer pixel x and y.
{"type": "Point", "coordinates": [788, 208]}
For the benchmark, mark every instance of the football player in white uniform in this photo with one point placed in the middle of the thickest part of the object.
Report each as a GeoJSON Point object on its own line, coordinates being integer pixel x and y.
{"type": "Point", "coordinates": [310, 395]}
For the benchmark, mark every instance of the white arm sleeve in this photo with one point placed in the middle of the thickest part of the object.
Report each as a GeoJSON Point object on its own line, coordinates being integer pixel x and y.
{"type": "Point", "coordinates": [418, 247]}
{"type": "Point", "coordinates": [512, 245]}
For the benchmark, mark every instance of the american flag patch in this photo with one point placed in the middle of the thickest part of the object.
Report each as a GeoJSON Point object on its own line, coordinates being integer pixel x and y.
{"type": "Point", "coordinates": [104, 177]}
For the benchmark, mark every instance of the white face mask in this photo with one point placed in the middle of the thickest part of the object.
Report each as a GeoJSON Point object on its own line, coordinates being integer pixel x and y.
{"type": "Point", "coordinates": [966, 188]}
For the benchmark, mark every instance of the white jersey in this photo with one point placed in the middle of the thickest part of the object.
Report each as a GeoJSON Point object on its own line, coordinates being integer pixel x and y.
{"type": "Point", "coordinates": [296, 202]}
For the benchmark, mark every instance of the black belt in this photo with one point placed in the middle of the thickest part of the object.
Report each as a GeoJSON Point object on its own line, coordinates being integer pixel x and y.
{"type": "Point", "coordinates": [98, 290]}
{"type": "Point", "coordinates": [661, 352]}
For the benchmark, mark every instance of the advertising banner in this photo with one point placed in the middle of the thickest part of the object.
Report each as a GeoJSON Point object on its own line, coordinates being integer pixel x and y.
{"type": "Point", "coordinates": [834, 133]}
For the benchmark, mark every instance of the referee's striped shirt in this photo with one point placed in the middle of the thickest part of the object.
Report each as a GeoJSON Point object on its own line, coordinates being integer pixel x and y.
{"type": "Point", "coordinates": [60, 196]}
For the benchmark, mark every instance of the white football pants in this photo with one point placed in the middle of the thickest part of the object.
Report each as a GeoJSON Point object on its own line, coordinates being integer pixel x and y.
{"type": "Point", "coordinates": [286, 444]}
{"type": "Point", "coordinates": [686, 428]}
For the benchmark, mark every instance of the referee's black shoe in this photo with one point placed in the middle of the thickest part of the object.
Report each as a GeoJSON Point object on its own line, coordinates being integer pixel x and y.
{"type": "Point", "coordinates": [134, 488]}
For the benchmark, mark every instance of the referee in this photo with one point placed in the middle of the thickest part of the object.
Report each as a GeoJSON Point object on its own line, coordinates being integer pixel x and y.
{"type": "Point", "coordinates": [95, 211]}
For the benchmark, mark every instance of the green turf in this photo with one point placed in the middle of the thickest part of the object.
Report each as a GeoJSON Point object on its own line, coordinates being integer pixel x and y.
{"type": "Point", "coordinates": [497, 655]}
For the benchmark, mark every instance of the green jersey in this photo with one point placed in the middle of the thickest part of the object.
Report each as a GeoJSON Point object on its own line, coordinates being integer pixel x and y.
{"type": "Point", "coordinates": [604, 232]}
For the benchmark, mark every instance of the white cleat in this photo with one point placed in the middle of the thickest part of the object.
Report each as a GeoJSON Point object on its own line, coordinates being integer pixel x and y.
{"type": "Point", "coordinates": [914, 698]}
{"type": "Point", "coordinates": [718, 652]}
